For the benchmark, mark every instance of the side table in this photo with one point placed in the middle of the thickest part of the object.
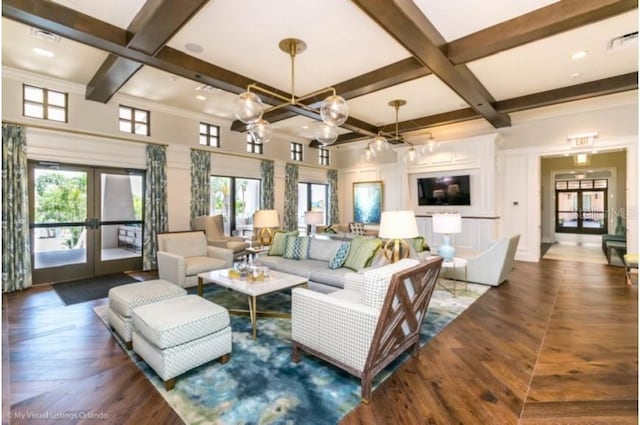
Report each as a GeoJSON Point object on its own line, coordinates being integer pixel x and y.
{"type": "Point", "coordinates": [455, 264]}
{"type": "Point", "coordinates": [255, 251]}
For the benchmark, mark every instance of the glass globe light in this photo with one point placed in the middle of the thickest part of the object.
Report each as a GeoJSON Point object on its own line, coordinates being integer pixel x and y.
{"type": "Point", "coordinates": [326, 134]}
{"type": "Point", "coordinates": [411, 155]}
{"type": "Point", "coordinates": [369, 155]}
{"type": "Point", "coordinates": [334, 111]}
{"type": "Point", "coordinates": [380, 143]}
{"type": "Point", "coordinates": [248, 108]}
{"type": "Point", "coordinates": [260, 132]}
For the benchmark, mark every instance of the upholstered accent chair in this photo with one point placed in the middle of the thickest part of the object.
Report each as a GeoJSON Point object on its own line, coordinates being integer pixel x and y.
{"type": "Point", "coordinates": [490, 267]}
{"type": "Point", "coordinates": [213, 226]}
{"type": "Point", "coordinates": [182, 255]}
{"type": "Point", "coordinates": [365, 326]}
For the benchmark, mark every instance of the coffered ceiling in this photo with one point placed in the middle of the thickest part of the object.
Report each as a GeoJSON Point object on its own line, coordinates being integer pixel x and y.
{"type": "Point", "coordinates": [452, 61]}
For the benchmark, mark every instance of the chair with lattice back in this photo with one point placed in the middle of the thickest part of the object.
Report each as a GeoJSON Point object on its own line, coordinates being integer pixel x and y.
{"type": "Point", "coordinates": [364, 327]}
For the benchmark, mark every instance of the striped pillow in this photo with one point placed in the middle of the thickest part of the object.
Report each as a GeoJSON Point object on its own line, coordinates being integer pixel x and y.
{"type": "Point", "coordinates": [361, 252]}
{"type": "Point", "coordinates": [279, 242]}
{"type": "Point", "coordinates": [340, 256]}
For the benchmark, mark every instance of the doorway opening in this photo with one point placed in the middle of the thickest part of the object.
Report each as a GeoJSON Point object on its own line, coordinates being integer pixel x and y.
{"type": "Point", "coordinates": [84, 221]}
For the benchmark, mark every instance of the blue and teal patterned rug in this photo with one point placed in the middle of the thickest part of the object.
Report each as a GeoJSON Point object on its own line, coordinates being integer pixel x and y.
{"type": "Point", "coordinates": [261, 385]}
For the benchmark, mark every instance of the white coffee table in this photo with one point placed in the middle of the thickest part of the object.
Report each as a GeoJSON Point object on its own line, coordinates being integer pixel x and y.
{"type": "Point", "coordinates": [277, 281]}
{"type": "Point", "coordinates": [455, 264]}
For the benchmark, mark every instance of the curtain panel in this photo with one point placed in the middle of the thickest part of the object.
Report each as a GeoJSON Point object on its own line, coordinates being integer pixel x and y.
{"type": "Point", "coordinates": [155, 204]}
{"type": "Point", "coordinates": [268, 190]}
{"type": "Point", "coordinates": [334, 212]}
{"type": "Point", "coordinates": [16, 245]}
{"type": "Point", "coordinates": [291, 198]}
{"type": "Point", "coordinates": [200, 183]}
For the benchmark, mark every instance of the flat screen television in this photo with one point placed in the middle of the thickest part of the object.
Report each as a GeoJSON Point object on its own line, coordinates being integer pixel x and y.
{"type": "Point", "coordinates": [445, 190]}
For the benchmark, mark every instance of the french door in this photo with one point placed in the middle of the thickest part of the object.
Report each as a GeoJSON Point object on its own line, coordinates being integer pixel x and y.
{"type": "Point", "coordinates": [581, 206]}
{"type": "Point", "coordinates": [84, 221]}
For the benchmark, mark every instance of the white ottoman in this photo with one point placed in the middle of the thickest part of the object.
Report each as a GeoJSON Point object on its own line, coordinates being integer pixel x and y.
{"type": "Point", "coordinates": [176, 335]}
{"type": "Point", "coordinates": [123, 299]}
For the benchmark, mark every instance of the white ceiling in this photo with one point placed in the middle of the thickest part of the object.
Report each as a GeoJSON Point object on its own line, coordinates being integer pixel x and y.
{"type": "Point", "coordinates": [342, 42]}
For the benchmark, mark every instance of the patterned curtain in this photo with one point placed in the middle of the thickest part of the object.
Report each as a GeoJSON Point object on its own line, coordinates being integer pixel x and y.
{"type": "Point", "coordinates": [200, 185]}
{"type": "Point", "coordinates": [334, 212]}
{"type": "Point", "coordinates": [291, 198]}
{"type": "Point", "coordinates": [267, 199]}
{"type": "Point", "coordinates": [155, 204]}
{"type": "Point", "coordinates": [16, 246]}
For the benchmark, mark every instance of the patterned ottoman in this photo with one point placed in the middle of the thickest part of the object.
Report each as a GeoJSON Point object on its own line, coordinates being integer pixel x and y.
{"type": "Point", "coordinates": [176, 335]}
{"type": "Point", "coordinates": [123, 299]}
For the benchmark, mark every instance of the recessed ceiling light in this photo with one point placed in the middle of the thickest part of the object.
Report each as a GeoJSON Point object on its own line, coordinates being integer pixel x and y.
{"type": "Point", "coordinates": [194, 48]}
{"type": "Point", "coordinates": [201, 97]}
{"type": "Point", "coordinates": [579, 55]}
{"type": "Point", "coordinates": [575, 75]}
{"type": "Point", "coordinates": [44, 35]}
{"type": "Point", "coordinates": [173, 78]}
{"type": "Point", "coordinates": [43, 52]}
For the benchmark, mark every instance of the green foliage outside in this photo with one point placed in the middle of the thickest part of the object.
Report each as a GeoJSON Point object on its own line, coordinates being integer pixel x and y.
{"type": "Point", "coordinates": [61, 197]}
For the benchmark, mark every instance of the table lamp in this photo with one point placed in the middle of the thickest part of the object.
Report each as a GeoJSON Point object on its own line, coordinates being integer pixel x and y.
{"type": "Point", "coordinates": [447, 224]}
{"type": "Point", "coordinates": [265, 220]}
{"type": "Point", "coordinates": [397, 226]}
{"type": "Point", "coordinates": [311, 218]}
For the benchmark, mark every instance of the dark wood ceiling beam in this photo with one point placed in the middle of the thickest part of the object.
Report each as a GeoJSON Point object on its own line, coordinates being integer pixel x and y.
{"type": "Point", "coordinates": [605, 86]}
{"type": "Point", "coordinates": [404, 21]}
{"type": "Point", "coordinates": [544, 22]}
{"type": "Point", "coordinates": [151, 28]}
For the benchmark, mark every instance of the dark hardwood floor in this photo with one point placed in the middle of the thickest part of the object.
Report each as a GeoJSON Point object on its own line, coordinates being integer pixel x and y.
{"type": "Point", "coordinates": [556, 344]}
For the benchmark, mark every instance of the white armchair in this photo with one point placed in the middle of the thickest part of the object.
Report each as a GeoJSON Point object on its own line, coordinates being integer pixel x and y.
{"type": "Point", "coordinates": [182, 255]}
{"type": "Point", "coordinates": [365, 326]}
{"type": "Point", "coordinates": [492, 266]}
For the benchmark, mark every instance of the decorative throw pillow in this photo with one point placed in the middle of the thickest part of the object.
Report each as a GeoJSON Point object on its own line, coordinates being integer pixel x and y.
{"type": "Point", "coordinates": [330, 229]}
{"type": "Point", "coordinates": [340, 256]}
{"type": "Point", "coordinates": [361, 252]}
{"type": "Point", "coordinates": [417, 243]}
{"type": "Point", "coordinates": [356, 228]}
{"type": "Point", "coordinates": [297, 248]}
{"type": "Point", "coordinates": [279, 242]}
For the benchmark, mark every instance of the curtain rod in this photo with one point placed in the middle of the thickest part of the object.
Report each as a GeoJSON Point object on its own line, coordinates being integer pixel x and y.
{"type": "Point", "coordinates": [82, 133]}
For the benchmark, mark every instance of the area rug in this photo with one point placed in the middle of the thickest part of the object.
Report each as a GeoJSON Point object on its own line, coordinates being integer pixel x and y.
{"type": "Point", "coordinates": [83, 290]}
{"type": "Point", "coordinates": [261, 385]}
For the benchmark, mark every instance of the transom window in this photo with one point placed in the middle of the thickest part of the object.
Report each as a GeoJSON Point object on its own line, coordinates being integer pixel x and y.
{"type": "Point", "coordinates": [43, 103]}
{"type": "Point", "coordinates": [296, 151]}
{"type": "Point", "coordinates": [209, 135]}
{"type": "Point", "coordinates": [323, 156]}
{"type": "Point", "coordinates": [133, 120]}
{"type": "Point", "coordinates": [581, 206]}
{"type": "Point", "coordinates": [252, 146]}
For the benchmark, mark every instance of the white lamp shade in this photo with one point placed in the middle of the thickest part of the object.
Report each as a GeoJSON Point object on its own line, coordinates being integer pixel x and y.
{"type": "Point", "coordinates": [447, 223]}
{"type": "Point", "coordinates": [266, 218]}
{"type": "Point", "coordinates": [313, 217]}
{"type": "Point", "coordinates": [398, 225]}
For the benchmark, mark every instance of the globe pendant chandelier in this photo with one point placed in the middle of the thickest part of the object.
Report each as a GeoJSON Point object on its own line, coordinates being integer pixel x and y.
{"type": "Point", "coordinates": [248, 106]}
{"type": "Point", "coordinates": [380, 143]}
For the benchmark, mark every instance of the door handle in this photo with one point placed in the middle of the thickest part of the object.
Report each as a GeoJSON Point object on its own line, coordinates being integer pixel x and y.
{"type": "Point", "coordinates": [92, 223]}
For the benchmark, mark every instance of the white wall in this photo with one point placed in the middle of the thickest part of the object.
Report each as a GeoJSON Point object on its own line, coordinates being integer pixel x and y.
{"type": "Point", "coordinates": [91, 137]}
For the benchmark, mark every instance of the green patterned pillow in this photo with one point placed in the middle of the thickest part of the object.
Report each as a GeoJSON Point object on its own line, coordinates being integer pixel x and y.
{"type": "Point", "coordinates": [340, 256]}
{"type": "Point", "coordinates": [418, 243]}
{"type": "Point", "coordinates": [297, 248]}
{"type": "Point", "coordinates": [361, 252]}
{"type": "Point", "coordinates": [279, 242]}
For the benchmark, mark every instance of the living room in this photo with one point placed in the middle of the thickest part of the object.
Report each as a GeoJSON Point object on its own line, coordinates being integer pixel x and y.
{"type": "Point", "coordinates": [504, 165]}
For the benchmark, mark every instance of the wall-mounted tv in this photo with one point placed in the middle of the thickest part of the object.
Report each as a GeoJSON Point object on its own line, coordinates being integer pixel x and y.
{"type": "Point", "coordinates": [445, 190]}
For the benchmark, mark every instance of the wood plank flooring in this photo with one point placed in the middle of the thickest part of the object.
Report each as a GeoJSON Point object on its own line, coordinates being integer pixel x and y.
{"type": "Point", "coordinates": [556, 344]}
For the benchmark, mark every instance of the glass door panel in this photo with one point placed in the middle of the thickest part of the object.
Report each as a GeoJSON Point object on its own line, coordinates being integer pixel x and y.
{"type": "Point", "coordinates": [221, 199]}
{"type": "Point", "coordinates": [567, 209]}
{"type": "Point", "coordinates": [120, 204]}
{"type": "Point", "coordinates": [593, 210]}
{"type": "Point", "coordinates": [60, 206]}
{"type": "Point", "coordinates": [247, 201]}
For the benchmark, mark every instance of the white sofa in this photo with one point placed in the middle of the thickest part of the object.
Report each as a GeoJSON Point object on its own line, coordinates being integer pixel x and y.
{"type": "Point", "coordinates": [182, 255]}
{"type": "Point", "coordinates": [490, 267]}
